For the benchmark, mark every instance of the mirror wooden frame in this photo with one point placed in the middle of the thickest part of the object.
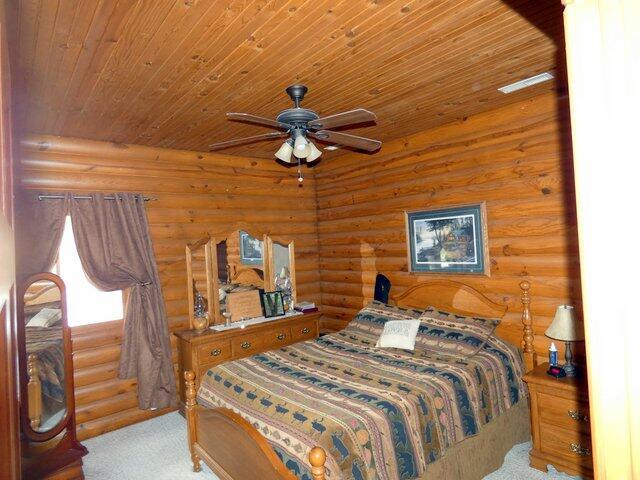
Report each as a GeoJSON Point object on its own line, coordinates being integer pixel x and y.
{"type": "Point", "coordinates": [270, 259]}
{"type": "Point", "coordinates": [243, 273]}
{"type": "Point", "coordinates": [210, 266]}
{"type": "Point", "coordinates": [67, 450]}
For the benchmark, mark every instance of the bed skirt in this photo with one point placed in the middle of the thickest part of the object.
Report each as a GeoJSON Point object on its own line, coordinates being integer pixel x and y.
{"type": "Point", "coordinates": [477, 456]}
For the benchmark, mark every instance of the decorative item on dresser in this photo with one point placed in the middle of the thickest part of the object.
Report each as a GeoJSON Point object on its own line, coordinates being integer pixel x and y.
{"type": "Point", "coordinates": [50, 449]}
{"type": "Point", "coordinates": [560, 422]}
{"type": "Point", "coordinates": [199, 352]}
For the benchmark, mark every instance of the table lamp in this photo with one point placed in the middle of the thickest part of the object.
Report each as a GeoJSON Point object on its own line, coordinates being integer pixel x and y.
{"type": "Point", "coordinates": [566, 328]}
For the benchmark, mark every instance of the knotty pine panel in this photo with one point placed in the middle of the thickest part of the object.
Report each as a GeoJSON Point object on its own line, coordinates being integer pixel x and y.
{"type": "Point", "coordinates": [195, 193]}
{"type": "Point", "coordinates": [516, 158]}
{"type": "Point", "coordinates": [162, 73]}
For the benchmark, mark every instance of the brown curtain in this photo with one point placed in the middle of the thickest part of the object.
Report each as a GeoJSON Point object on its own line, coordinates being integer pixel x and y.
{"type": "Point", "coordinates": [39, 228]}
{"type": "Point", "coordinates": [112, 237]}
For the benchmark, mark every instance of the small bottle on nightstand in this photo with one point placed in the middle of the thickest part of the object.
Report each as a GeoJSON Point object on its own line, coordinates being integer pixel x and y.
{"type": "Point", "coordinates": [553, 355]}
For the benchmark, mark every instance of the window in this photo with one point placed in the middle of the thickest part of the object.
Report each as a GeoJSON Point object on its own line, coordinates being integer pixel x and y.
{"type": "Point", "coordinates": [86, 304]}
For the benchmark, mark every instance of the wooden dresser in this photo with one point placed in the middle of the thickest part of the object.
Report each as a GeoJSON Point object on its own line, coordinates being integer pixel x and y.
{"type": "Point", "coordinates": [199, 352]}
{"type": "Point", "coordinates": [560, 423]}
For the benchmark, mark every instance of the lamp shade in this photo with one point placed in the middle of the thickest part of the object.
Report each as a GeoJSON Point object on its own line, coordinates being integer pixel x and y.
{"type": "Point", "coordinates": [284, 152]}
{"type": "Point", "coordinates": [314, 154]}
{"type": "Point", "coordinates": [565, 327]}
{"type": "Point", "coordinates": [301, 148]}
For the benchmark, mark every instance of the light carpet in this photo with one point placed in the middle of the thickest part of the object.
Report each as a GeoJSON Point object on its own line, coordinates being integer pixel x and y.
{"type": "Point", "coordinates": [157, 449]}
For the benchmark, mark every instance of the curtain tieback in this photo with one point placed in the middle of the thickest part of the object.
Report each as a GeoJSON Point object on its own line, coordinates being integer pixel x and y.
{"type": "Point", "coordinates": [143, 284]}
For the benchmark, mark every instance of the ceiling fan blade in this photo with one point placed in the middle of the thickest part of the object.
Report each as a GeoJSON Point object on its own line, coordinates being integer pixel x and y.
{"type": "Point", "coordinates": [347, 140]}
{"type": "Point", "coordinates": [242, 141]}
{"type": "Point", "coordinates": [351, 117]}
{"type": "Point", "coordinates": [248, 118]}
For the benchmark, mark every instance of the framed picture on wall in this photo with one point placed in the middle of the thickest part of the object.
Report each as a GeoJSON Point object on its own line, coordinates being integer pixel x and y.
{"type": "Point", "coordinates": [448, 240]}
{"type": "Point", "coordinates": [250, 249]}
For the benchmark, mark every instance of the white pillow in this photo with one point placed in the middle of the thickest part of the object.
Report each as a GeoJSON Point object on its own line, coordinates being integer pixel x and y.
{"type": "Point", "coordinates": [399, 334]}
{"type": "Point", "coordinates": [45, 318]}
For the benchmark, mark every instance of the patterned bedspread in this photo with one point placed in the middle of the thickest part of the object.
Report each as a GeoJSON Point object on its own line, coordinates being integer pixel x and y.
{"type": "Point", "coordinates": [379, 414]}
{"type": "Point", "coordinates": [46, 343]}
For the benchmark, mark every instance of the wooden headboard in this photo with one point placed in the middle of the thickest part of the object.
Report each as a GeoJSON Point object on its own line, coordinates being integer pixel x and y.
{"type": "Point", "coordinates": [248, 276]}
{"type": "Point", "coordinates": [457, 297]}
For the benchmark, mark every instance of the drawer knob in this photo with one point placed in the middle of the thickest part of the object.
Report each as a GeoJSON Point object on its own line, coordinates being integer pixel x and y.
{"type": "Point", "coordinates": [281, 336]}
{"type": "Point", "coordinates": [577, 416]}
{"type": "Point", "coordinates": [245, 345]}
{"type": "Point", "coordinates": [580, 450]}
{"type": "Point", "coordinates": [305, 330]}
{"type": "Point", "coordinates": [216, 352]}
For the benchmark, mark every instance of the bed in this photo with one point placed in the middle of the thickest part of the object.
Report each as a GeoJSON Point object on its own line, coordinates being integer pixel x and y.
{"type": "Point", "coordinates": [361, 412]}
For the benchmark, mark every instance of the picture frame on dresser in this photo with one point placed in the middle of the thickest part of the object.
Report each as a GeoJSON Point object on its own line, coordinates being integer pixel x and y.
{"type": "Point", "coordinates": [448, 240]}
{"type": "Point", "coordinates": [272, 304]}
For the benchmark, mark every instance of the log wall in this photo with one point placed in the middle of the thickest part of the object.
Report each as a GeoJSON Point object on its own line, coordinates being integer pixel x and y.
{"type": "Point", "coordinates": [516, 159]}
{"type": "Point", "coordinates": [195, 193]}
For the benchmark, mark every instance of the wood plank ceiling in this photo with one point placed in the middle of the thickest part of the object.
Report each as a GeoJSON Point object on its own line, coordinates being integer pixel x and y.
{"type": "Point", "coordinates": [164, 72]}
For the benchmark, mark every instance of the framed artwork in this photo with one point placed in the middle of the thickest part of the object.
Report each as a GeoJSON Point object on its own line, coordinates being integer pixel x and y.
{"type": "Point", "coordinates": [272, 304]}
{"type": "Point", "coordinates": [250, 249]}
{"type": "Point", "coordinates": [449, 240]}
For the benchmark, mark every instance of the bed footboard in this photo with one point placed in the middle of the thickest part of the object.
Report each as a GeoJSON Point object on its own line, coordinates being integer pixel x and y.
{"type": "Point", "coordinates": [232, 447]}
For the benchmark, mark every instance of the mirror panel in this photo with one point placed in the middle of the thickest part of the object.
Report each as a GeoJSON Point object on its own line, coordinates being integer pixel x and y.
{"type": "Point", "coordinates": [239, 266]}
{"type": "Point", "coordinates": [281, 257]}
{"type": "Point", "coordinates": [45, 350]}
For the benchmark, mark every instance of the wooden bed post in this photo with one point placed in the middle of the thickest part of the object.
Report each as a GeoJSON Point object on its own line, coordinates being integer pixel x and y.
{"type": "Point", "coordinates": [529, 352]}
{"type": "Point", "coordinates": [317, 457]}
{"type": "Point", "coordinates": [190, 413]}
{"type": "Point", "coordinates": [34, 392]}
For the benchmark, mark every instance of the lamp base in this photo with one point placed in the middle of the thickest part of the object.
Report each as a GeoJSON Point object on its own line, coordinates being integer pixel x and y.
{"type": "Point", "coordinates": [568, 367]}
{"type": "Point", "coordinates": [570, 370]}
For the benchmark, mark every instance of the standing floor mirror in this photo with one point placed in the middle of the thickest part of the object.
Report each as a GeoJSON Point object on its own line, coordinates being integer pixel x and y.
{"type": "Point", "coordinates": [47, 406]}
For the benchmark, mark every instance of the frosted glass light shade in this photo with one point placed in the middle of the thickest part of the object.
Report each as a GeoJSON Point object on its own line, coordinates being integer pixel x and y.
{"type": "Point", "coordinates": [301, 148]}
{"type": "Point", "coordinates": [314, 154]}
{"type": "Point", "coordinates": [565, 326]}
{"type": "Point", "coordinates": [284, 152]}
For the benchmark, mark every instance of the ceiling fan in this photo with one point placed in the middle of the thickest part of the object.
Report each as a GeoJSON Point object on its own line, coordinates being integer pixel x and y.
{"type": "Point", "coordinates": [301, 123]}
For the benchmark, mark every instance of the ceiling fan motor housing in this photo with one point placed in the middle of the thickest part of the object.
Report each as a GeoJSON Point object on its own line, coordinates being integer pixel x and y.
{"type": "Point", "coordinates": [297, 117]}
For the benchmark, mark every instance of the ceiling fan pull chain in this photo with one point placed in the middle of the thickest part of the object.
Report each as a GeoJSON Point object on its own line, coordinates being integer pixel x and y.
{"type": "Point", "coordinates": [300, 178]}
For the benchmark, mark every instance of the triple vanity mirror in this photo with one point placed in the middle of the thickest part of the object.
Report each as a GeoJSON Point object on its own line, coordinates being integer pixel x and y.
{"type": "Point", "coordinates": [226, 274]}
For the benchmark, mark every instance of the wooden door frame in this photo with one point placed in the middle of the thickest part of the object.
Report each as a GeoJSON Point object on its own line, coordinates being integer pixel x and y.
{"type": "Point", "coordinates": [9, 432]}
{"type": "Point", "coordinates": [603, 47]}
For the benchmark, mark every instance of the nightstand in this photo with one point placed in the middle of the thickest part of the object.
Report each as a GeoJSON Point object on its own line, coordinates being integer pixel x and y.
{"type": "Point", "coordinates": [560, 422]}
{"type": "Point", "coordinates": [201, 351]}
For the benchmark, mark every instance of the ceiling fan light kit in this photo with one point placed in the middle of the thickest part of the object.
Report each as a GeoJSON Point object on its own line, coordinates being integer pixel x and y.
{"type": "Point", "coordinates": [301, 123]}
{"type": "Point", "coordinates": [285, 151]}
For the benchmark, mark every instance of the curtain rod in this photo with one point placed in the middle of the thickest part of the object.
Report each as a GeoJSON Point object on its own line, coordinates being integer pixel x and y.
{"type": "Point", "coordinates": [86, 197]}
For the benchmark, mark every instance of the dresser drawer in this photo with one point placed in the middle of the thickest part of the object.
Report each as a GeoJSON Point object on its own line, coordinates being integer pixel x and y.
{"type": "Point", "coordinates": [304, 330]}
{"type": "Point", "coordinates": [276, 338]}
{"type": "Point", "coordinates": [214, 352]}
{"type": "Point", "coordinates": [563, 413]}
{"type": "Point", "coordinates": [248, 344]}
{"type": "Point", "coordinates": [558, 441]}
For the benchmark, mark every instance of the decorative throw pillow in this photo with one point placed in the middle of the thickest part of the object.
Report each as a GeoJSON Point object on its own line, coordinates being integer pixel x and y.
{"type": "Point", "coordinates": [45, 318]}
{"type": "Point", "coordinates": [453, 334]}
{"type": "Point", "coordinates": [372, 318]}
{"type": "Point", "coordinates": [399, 334]}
